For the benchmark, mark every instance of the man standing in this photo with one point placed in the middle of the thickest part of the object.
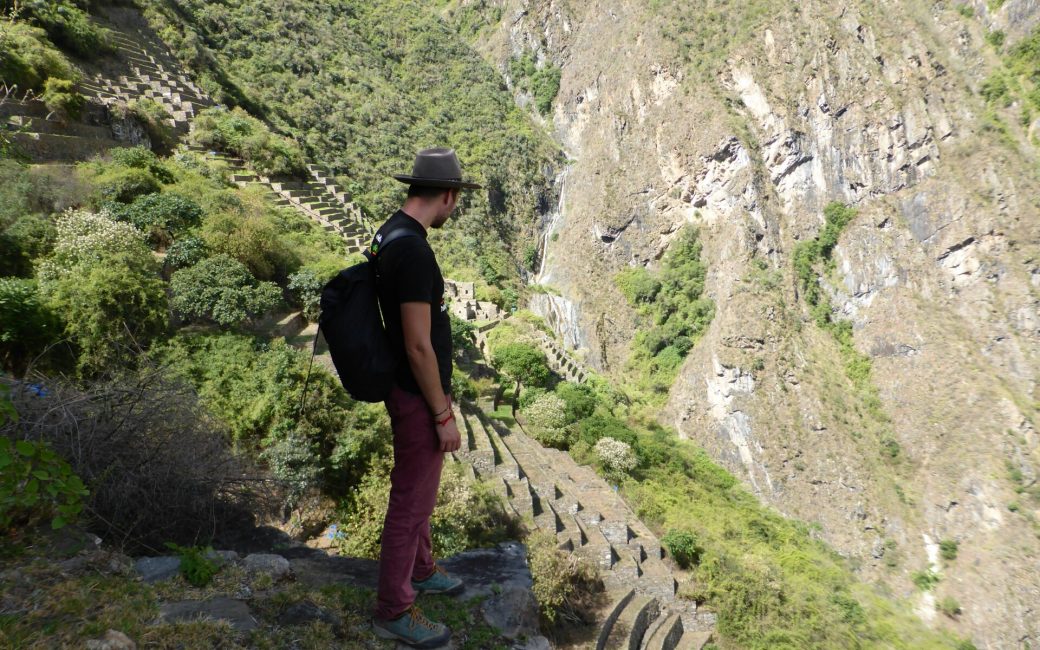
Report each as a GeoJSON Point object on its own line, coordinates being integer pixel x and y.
{"type": "Point", "coordinates": [411, 295]}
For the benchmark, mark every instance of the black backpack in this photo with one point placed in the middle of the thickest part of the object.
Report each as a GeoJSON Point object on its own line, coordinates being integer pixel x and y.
{"type": "Point", "coordinates": [353, 327]}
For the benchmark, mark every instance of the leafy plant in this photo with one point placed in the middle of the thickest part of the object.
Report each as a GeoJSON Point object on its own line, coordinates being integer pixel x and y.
{"type": "Point", "coordinates": [948, 549]}
{"type": "Point", "coordinates": [161, 216]}
{"type": "Point", "coordinates": [26, 324]}
{"type": "Point", "coordinates": [222, 290]}
{"type": "Point", "coordinates": [60, 97]}
{"type": "Point", "coordinates": [683, 547]}
{"type": "Point", "coordinates": [949, 606]}
{"type": "Point", "coordinates": [925, 580]}
{"type": "Point", "coordinates": [36, 484]}
{"type": "Point", "coordinates": [197, 564]}
{"type": "Point", "coordinates": [523, 362]}
{"type": "Point", "coordinates": [305, 286]}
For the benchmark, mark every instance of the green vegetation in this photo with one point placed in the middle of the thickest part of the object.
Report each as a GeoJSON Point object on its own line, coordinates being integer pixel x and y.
{"type": "Point", "coordinates": [542, 82]}
{"type": "Point", "coordinates": [523, 362]}
{"type": "Point", "coordinates": [236, 132]}
{"type": "Point", "coordinates": [197, 565]}
{"type": "Point", "coordinates": [682, 546]}
{"type": "Point", "coordinates": [59, 97]}
{"type": "Point", "coordinates": [1019, 77]}
{"type": "Point", "coordinates": [66, 23]}
{"type": "Point", "coordinates": [925, 580]}
{"type": "Point", "coordinates": [364, 86]}
{"type": "Point", "coordinates": [949, 606]}
{"type": "Point", "coordinates": [28, 59]}
{"type": "Point", "coordinates": [36, 485]}
{"type": "Point", "coordinates": [965, 10]}
{"type": "Point", "coordinates": [565, 585]}
{"type": "Point", "coordinates": [222, 290]}
{"type": "Point", "coordinates": [948, 549]}
{"type": "Point", "coordinates": [672, 301]}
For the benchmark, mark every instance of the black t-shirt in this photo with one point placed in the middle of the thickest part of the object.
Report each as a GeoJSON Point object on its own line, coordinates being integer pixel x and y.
{"type": "Point", "coordinates": [408, 272]}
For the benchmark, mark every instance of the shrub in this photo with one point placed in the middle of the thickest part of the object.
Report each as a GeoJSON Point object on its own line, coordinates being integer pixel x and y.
{"type": "Point", "coordinates": [111, 307]}
{"type": "Point", "coordinates": [523, 362]}
{"type": "Point", "coordinates": [305, 287]}
{"type": "Point", "coordinates": [238, 132]}
{"type": "Point", "coordinates": [638, 285]}
{"type": "Point", "coordinates": [949, 607]}
{"type": "Point", "coordinates": [222, 290]}
{"type": "Point", "coordinates": [616, 457]}
{"type": "Point", "coordinates": [156, 471]}
{"type": "Point", "coordinates": [186, 252]}
{"type": "Point", "coordinates": [925, 580]}
{"type": "Point", "coordinates": [682, 546]}
{"type": "Point", "coordinates": [123, 185]}
{"type": "Point", "coordinates": [161, 216]}
{"type": "Point", "coordinates": [36, 485]}
{"type": "Point", "coordinates": [26, 325]}
{"type": "Point", "coordinates": [82, 236]}
{"type": "Point", "coordinates": [547, 411]}
{"type": "Point", "coordinates": [27, 59]}
{"type": "Point", "coordinates": [197, 565]}
{"type": "Point", "coordinates": [580, 400]}
{"type": "Point", "coordinates": [948, 549]}
{"type": "Point", "coordinates": [251, 240]}
{"type": "Point", "coordinates": [70, 27]}
{"type": "Point", "coordinates": [567, 587]}
{"type": "Point", "coordinates": [153, 117]}
{"type": "Point", "coordinates": [597, 426]}
{"type": "Point", "coordinates": [256, 389]}
{"type": "Point", "coordinates": [59, 96]}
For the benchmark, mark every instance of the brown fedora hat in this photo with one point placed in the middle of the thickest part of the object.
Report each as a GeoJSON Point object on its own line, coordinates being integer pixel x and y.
{"type": "Point", "coordinates": [437, 167]}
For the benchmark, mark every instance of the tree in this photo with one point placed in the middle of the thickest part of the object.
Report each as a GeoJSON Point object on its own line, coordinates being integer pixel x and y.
{"type": "Point", "coordinates": [523, 362]}
{"type": "Point", "coordinates": [221, 289]}
{"type": "Point", "coordinates": [26, 325]}
{"type": "Point", "coordinates": [112, 307]}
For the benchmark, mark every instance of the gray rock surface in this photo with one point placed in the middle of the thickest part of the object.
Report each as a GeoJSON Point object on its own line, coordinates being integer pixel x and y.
{"type": "Point", "coordinates": [154, 569]}
{"type": "Point", "coordinates": [514, 612]}
{"type": "Point", "coordinates": [113, 640]}
{"type": "Point", "coordinates": [305, 612]}
{"type": "Point", "coordinates": [234, 612]}
{"type": "Point", "coordinates": [273, 565]}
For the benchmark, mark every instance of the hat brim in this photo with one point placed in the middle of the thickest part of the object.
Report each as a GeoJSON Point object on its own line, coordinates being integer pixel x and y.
{"type": "Point", "coordinates": [437, 182]}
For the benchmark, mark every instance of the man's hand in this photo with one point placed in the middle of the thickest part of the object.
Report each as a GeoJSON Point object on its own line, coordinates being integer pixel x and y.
{"type": "Point", "coordinates": [449, 435]}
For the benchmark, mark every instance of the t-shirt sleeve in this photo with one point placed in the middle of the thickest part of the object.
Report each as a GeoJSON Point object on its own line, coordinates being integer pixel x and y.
{"type": "Point", "coordinates": [414, 273]}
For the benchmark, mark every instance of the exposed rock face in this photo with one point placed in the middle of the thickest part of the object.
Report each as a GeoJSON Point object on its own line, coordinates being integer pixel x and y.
{"type": "Point", "coordinates": [938, 273]}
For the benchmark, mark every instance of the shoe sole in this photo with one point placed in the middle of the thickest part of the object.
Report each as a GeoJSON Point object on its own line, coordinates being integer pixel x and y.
{"type": "Point", "coordinates": [435, 642]}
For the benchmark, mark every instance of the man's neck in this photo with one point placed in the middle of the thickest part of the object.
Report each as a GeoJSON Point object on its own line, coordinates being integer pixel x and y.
{"type": "Point", "coordinates": [420, 211]}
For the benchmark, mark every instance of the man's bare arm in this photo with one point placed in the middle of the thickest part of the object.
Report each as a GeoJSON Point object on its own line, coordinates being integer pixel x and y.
{"type": "Point", "coordinates": [415, 323]}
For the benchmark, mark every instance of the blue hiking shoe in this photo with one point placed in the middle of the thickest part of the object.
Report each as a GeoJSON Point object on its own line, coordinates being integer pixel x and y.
{"type": "Point", "coordinates": [413, 629]}
{"type": "Point", "coordinates": [439, 583]}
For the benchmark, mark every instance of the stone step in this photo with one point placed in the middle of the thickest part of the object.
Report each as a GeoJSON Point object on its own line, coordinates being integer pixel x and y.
{"type": "Point", "coordinates": [694, 640]}
{"type": "Point", "coordinates": [631, 624]}
{"type": "Point", "coordinates": [480, 452]}
{"type": "Point", "coordinates": [521, 497]}
{"type": "Point", "coordinates": [45, 147]}
{"type": "Point", "coordinates": [40, 125]}
{"type": "Point", "coordinates": [664, 633]}
{"type": "Point", "coordinates": [619, 603]}
{"type": "Point", "coordinates": [30, 108]}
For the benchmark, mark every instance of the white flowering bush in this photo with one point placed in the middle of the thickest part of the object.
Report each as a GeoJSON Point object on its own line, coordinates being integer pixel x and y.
{"type": "Point", "coordinates": [84, 236]}
{"type": "Point", "coordinates": [617, 458]}
{"type": "Point", "coordinates": [548, 411]}
{"type": "Point", "coordinates": [547, 420]}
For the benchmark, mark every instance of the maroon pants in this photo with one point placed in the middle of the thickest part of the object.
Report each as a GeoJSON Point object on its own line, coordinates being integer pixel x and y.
{"type": "Point", "coordinates": [407, 550]}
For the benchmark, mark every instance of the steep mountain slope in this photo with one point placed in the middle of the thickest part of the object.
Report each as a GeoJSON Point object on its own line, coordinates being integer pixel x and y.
{"type": "Point", "coordinates": [748, 122]}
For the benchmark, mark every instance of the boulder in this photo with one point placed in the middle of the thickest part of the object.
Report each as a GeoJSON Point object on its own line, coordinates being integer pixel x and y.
{"type": "Point", "coordinates": [113, 640]}
{"type": "Point", "coordinates": [273, 565]}
{"type": "Point", "coordinates": [154, 569]}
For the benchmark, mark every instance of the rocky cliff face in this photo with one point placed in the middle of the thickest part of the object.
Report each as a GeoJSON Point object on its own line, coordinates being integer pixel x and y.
{"type": "Point", "coordinates": [939, 273]}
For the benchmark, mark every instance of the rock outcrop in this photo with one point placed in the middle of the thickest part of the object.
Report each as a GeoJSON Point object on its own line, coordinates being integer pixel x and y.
{"type": "Point", "coordinates": [749, 138]}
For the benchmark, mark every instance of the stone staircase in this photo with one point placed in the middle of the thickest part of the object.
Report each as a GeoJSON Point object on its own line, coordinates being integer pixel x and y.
{"type": "Point", "coordinates": [313, 198]}
{"type": "Point", "coordinates": [45, 137]}
{"type": "Point", "coordinates": [151, 72]}
{"type": "Point", "coordinates": [562, 363]}
{"type": "Point", "coordinates": [546, 487]}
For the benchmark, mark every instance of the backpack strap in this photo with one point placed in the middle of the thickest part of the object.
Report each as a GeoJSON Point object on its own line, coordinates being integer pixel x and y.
{"type": "Point", "coordinates": [374, 249]}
